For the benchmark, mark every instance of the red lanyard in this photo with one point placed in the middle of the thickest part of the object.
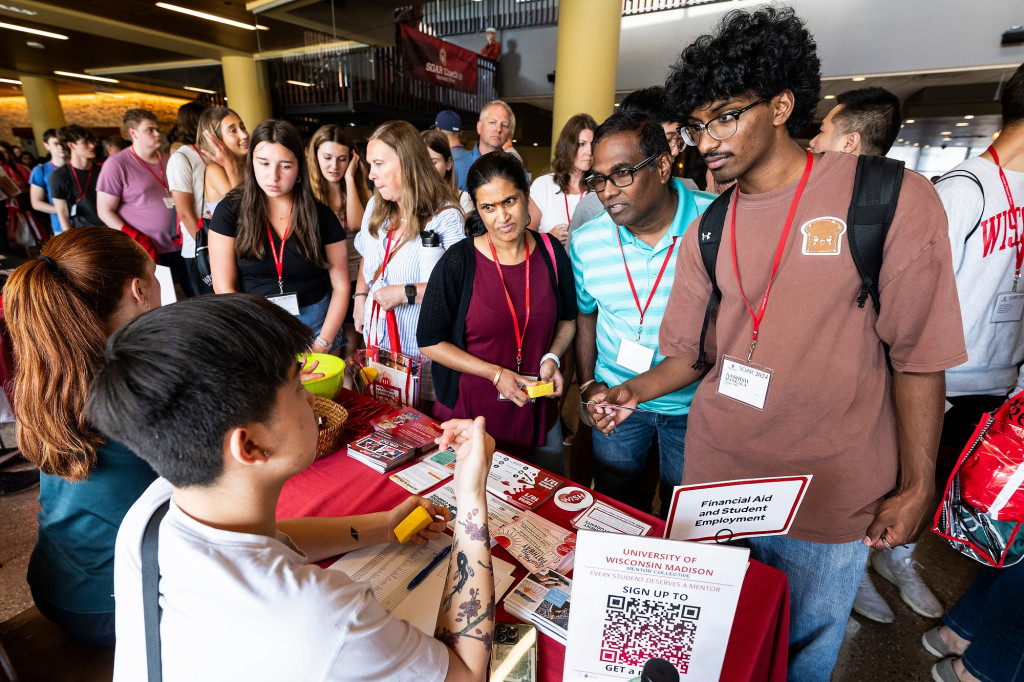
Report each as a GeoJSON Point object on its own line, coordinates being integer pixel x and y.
{"type": "Point", "coordinates": [375, 309]}
{"type": "Point", "coordinates": [1012, 217]}
{"type": "Point", "coordinates": [279, 257]}
{"type": "Point", "coordinates": [632, 287]}
{"type": "Point", "coordinates": [568, 216]}
{"type": "Point", "coordinates": [88, 180]}
{"type": "Point", "coordinates": [757, 317]}
{"type": "Point", "coordinates": [512, 308]}
{"type": "Point", "coordinates": [53, 166]}
{"type": "Point", "coordinates": [163, 182]}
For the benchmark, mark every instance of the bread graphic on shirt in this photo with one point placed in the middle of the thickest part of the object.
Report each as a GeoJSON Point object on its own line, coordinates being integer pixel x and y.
{"type": "Point", "coordinates": [823, 236]}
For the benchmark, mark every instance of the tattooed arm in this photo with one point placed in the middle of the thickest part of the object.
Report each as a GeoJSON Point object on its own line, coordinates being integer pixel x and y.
{"type": "Point", "coordinates": [322, 538]}
{"type": "Point", "coordinates": [465, 622]}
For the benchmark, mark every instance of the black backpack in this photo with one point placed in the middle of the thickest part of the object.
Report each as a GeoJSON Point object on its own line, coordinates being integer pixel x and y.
{"type": "Point", "coordinates": [876, 189]}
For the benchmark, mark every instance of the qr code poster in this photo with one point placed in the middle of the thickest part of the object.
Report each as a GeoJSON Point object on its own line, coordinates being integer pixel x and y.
{"type": "Point", "coordinates": [640, 598]}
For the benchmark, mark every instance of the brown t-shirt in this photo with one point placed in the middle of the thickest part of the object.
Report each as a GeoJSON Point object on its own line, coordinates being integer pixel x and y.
{"type": "Point", "coordinates": [829, 409]}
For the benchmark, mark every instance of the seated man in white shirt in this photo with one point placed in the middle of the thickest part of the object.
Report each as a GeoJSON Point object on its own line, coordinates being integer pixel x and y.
{"type": "Point", "coordinates": [216, 407]}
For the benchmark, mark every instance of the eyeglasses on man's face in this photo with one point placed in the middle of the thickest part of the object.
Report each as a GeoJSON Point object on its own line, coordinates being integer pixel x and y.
{"type": "Point", "coordinates": [720, 128]}
{"type": "Point", "coordinates": [620, 178]}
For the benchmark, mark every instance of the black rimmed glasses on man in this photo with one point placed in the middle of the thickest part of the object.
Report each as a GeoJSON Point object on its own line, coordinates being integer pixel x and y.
{"type": "Point", "coordinates": [620, 178]}
{"type": "Point", "coordinates": [720, 127]}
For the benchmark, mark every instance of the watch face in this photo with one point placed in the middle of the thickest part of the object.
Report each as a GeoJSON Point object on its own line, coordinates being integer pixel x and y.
{"type": "Point", "coordinates": [410, 290]}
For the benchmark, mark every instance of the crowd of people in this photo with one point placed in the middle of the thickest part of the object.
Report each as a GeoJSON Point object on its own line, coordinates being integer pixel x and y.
{"type": "Point", "coordinates": [594, 274]}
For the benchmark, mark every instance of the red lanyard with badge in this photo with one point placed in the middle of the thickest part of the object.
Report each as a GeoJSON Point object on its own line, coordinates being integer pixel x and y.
{"type": "Point", "coordinates": [1009, 305]}
{"type": "Point", "coordinates": [632, 355]}
{"type": "Point", "coordinates": [520, 335]}
{"type": "Point", "coordinates": [741, 380]}
{"type": "Point", "coordinates": [81, 190]}
{"type": "Point", "coordinates": [390, 319]}
{"type": "Point", "coordinates": [168, 201]}
{"type": "Point", "coordinates": [289, 301]}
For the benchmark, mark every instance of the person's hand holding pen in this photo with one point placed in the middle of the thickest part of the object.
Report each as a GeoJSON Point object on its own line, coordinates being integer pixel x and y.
{"type": "Point", "coordinates": [608, 407]}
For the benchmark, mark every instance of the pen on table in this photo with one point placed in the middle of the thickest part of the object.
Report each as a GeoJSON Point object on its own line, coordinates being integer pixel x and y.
{"type": "Point", "coordinates": [434, 563]}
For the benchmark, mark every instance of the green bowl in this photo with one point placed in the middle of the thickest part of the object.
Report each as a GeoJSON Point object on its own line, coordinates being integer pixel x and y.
{"type": "Point", "coordinates": [333, 368]}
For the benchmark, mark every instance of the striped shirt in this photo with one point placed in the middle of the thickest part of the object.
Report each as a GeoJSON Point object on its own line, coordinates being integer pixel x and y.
{"type": "Point", "coordinates": [602, 286]}
{"type": "Point", "coordinates": [403, 268]}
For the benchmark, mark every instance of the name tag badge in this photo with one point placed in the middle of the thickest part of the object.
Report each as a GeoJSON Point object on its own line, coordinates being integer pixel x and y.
{"type": "Point", "coordinates": [169, 202]}
{"type": "Point", "coordinates": [289, 302]}
{"type": "Point", "coordinates": [634, 357]}
{"type": "Point", "coordinates": [744, 382]}
{"type": "Point", "coordinates": [1009, 307]}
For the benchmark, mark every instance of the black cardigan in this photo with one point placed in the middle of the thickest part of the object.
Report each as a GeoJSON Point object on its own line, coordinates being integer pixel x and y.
{"type": "Point", "coordinates": [446, 304]}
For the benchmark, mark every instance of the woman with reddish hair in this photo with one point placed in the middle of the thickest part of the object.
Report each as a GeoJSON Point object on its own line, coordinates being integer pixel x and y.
{"type": "Point", "coordinates": [60, 309]}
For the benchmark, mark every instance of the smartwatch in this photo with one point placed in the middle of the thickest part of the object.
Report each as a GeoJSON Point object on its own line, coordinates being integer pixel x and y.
{"type": "Point", "coordinates": [410, 293]}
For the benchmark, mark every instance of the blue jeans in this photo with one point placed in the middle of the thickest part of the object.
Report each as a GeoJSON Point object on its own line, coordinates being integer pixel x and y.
{"type": "Point", "coordinates": [96, 629]}
{"type": "Point", "coordinates": [990, 616]}
{"type": "Point", "coordinates": [823, 581]}
{"type": "Point", "coordinates": [619, 459]}
{"type": "Point", "coordinates": [313, 316]}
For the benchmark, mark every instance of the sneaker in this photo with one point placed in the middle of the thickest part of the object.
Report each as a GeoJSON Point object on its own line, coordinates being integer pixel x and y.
{"type": "Point", "coordinates": [900, 572]}
{"type": "Point", "coordinates": [943, 671]}
{"type": "Point", "coordinates": [934, 645]}
{"type": "Point", "coordinates": [870, 604]}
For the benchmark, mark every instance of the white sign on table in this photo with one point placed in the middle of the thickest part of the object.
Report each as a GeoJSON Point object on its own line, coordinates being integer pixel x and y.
{"type": "Point", "coordinates": [735, 509]}
{"type": "Point", "coordinates": [638, 598]}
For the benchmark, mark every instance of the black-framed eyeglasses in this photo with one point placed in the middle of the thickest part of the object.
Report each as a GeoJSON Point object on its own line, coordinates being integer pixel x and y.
{"type": "Point", "coordinates": [620, 178]}
{"type": "Point", "coordinates": [720, 128]}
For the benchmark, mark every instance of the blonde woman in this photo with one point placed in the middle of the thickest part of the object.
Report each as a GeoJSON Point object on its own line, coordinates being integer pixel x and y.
{"type": "Point", "coordinates": [409, 197]}
{"type": "Point", "coordinates": [338, 181]}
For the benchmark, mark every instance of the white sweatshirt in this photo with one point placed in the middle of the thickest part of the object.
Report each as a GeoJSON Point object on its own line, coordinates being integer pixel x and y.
{"type": "Point", "coordinates": [984, 264]}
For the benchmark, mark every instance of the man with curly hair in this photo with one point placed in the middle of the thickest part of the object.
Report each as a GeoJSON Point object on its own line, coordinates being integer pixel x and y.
{"type": "Point", "coordinates": [798, 380]}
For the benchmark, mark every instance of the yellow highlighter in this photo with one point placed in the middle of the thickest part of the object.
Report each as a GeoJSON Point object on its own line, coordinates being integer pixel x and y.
{"type": "Point", "coordinates": [540, 390]}
{"type": "Point", "coordinates": [412, 524]}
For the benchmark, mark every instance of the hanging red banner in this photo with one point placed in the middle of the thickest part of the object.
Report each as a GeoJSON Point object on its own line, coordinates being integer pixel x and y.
{"type": "Point", "coordinates": [435, 61]}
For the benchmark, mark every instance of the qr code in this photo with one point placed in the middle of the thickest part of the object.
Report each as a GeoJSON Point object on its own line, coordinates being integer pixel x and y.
{"type": "Point", "coordinates": [637, 630]}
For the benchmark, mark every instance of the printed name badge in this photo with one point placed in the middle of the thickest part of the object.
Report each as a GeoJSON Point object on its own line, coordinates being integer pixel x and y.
{"type": "Point", "coordinates": [1009, 307]}
{"type": "Point", "coordinates": [634, 357]}
{"type": "Point", "coordinates": [744, 382]}
{"type": "Point", "coordinates": [74, 210]}
{"type": "Point", "coordinates": [168, 202]}
{"type": "Point", "coordinates": [289, 302]}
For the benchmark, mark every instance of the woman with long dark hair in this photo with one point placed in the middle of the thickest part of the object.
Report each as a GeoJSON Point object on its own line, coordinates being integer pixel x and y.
{"type": "Point", "coordinates": [271, 237]}
{"type": "Point", "coordinates": [60, 309]}
{"type": "Point", "coordinates": [441, 156]}
{"type": "Point", "coordinates": [554, 196]}
{"type": "Point", "coordinates": [498, 315]}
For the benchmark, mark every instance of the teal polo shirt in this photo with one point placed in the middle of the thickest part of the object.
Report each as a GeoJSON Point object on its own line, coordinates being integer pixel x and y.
{"type": "Point", "coordinates": [602, 286]}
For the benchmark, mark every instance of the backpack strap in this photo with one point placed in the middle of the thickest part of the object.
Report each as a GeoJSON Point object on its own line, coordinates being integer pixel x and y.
{"type": "Point", "coordinates": [710, 237]}
{"type": "Point", "coordinates": [151, 610]}
{"type": "Point", "coordinates": [551, 253]}
{"type": "Point", "coordinates": [961, 173]}
{"type": "Point", "coordinates": [876, 190]}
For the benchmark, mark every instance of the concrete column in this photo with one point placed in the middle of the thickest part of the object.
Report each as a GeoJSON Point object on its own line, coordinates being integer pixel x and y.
{"type": "Point", "coordinates": [245, 84]}
{"type": "Point", "coordinates": [44, 109]}
{"type": "Point", "coordinates": [588, 56]}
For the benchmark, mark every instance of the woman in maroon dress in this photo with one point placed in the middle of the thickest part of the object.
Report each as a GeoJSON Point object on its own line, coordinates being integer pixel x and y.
{"type": "Point", "coordinates": [498, 313]}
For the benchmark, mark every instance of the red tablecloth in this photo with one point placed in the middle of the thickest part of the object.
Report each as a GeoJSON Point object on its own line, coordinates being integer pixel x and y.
{"type": "Point", "coordinates": [338, 485]}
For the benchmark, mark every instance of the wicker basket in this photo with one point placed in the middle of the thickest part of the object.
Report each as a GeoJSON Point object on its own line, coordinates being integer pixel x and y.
{"type": "Point", "coordinates": [330, 437]}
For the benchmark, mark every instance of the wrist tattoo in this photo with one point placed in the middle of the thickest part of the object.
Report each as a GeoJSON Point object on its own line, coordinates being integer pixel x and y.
{"type": "Point", "coordinates": [474, 531]}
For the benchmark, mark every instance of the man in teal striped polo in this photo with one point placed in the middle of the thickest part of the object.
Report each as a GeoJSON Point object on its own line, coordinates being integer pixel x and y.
{"type": "Point", "coordinates": [624, 263]}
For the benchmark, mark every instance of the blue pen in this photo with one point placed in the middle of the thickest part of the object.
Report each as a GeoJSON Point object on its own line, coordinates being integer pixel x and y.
{"type": "Point", "coordinates": [422, 575]}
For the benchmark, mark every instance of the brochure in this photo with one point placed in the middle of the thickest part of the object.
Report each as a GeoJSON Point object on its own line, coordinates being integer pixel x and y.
{"type": "Point", "coordinates": [537, 543]}
{"type": "Point", "coordinates": [543, 599]}
{"type": "Point", "coordinates": [522, 484]}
